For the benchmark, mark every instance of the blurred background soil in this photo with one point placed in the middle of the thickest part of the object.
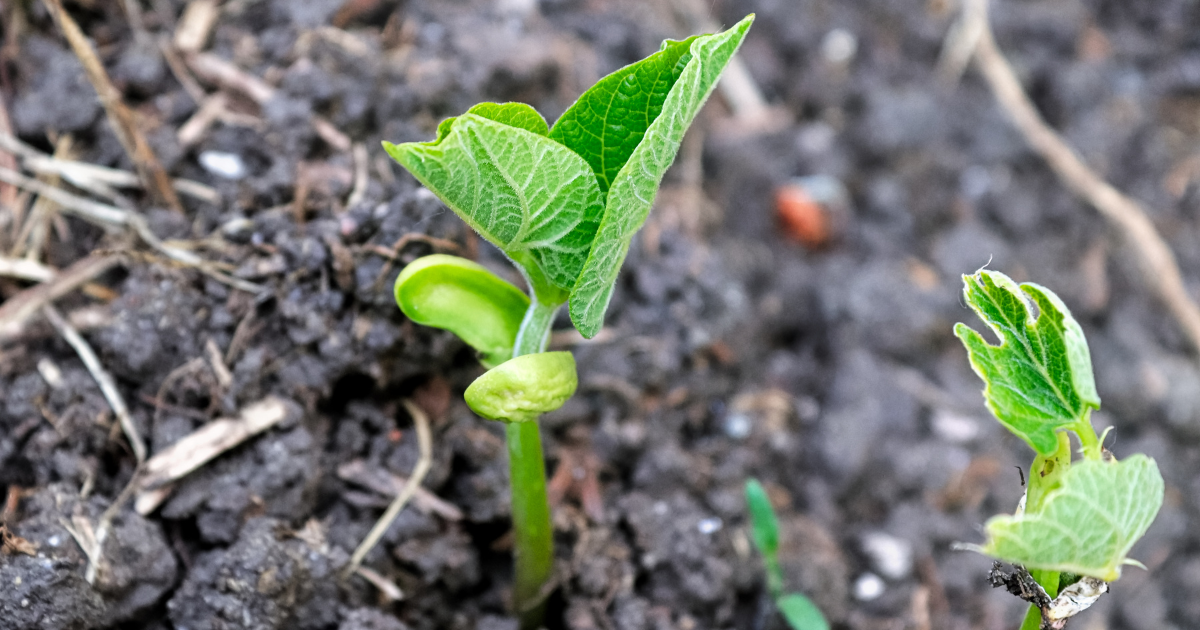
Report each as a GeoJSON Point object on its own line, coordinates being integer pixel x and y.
{"type": "Point", "coordinates": [753, 331]}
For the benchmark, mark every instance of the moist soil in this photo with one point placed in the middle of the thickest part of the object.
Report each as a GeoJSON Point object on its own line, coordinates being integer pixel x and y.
{"type": "Point", "coordinates": [732, 349]}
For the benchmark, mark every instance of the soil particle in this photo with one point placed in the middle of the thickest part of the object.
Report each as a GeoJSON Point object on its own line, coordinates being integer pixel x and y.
{"type": "Point", "coordinates": [48, 590]}
{"type": "Point", "coordinates": [265, 580]}
{"type": "Point", "coordinates": [51, 72]}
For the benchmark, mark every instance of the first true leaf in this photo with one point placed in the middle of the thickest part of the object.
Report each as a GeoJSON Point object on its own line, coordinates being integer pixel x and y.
{"type": "Point", "coordinates": [1039, 378]}
{"type": "Point", "coordinates": [529, 195]}
{"type": "Point", "coordinates": [1088, 524]}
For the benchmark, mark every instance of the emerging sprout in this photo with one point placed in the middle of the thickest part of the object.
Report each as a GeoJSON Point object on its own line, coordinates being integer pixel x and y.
{"type": "Point", "coordinates": [563, 203]}
{"type": "Point", "coordinates": [1079, 519]}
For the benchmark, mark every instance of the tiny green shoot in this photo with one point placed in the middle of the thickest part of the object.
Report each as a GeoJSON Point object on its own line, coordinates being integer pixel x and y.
{"type": "Point", "coordinates": [563, 204]}
{"type": "Point", "coordinates": [799, 611]}
{"type": "Point", "coordinates": [1078, 519]}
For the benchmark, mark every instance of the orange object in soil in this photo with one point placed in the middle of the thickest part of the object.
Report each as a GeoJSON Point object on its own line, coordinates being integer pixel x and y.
{"type": "Point", "coordinates": [804, 220]}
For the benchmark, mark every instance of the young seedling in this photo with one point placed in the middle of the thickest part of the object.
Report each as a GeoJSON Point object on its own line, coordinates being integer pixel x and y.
{"type": "Point", "coordinates": [1073, 529]}
{"type": "Point", "coordinates": [798, 610]}
{"type": "Point", "coordinates": [563, 204]}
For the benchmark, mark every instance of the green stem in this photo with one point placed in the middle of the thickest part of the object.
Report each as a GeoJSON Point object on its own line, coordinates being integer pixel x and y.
{"type": "Point", "coordinates": [533, 546]}
{"type": "Point", "coordinates": [1088, 439]}
{"type": "Point", "coordinates": [533, 532]}
{"type": "Point", "coordinates": [535, 328]}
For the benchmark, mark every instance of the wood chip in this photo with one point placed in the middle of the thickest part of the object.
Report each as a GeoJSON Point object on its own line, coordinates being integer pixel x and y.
{"type": "Point", "coordinates": [202, 446]}
{"type": "Point", "coordinates": [196, 25]}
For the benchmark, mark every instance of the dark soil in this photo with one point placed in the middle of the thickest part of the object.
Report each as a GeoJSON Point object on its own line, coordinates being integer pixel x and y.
{"type": "Point", "coordinates": [731, 351]}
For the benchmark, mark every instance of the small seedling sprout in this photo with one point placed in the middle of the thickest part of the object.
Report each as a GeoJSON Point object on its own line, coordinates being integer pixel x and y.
{"type": "Point", "coordinates": [799, 611]}
{"type": "Point", "coordinates": [1078, 520]}
{"type": "Point", "coordinates": [563, 204]}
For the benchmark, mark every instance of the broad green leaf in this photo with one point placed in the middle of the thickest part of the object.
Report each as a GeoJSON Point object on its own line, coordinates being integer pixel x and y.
{"type": "Point", "coordinates": [1088, 525]}
{"type": "Point", "coordinates": [523, 387]}
{"type": "Point", "coordinates": [517, 115]}
{"type": "Point", "coordinates": [801, 613]}
{"type": "Point", "coordinates": [764, 527]}
{"type": "Point", "coordinates": [609, 120]}
{"type": "Point", "coordinates": [465, 298]}
{"type": "Point", "coordinates": [632, 190]}
{"type": "Point", "coordinates": [528, 195]}
{"type": "Point", "coordinates": [1039, 379]}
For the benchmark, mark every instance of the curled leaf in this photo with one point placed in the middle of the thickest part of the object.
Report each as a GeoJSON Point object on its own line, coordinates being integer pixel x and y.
{"type": "Point", "coordinates": [635, 182]}
{"type": "Point", "coordinates": [465, 298]}
{"type": "Point", "coordinates": [1039, 379]}
{"type": "Point", "coordinates": [1088, 524]}
{"type": "Point", "coordinates": [523, 387]}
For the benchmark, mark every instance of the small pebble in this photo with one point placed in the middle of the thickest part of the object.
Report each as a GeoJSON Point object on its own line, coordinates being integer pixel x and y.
{"type": "Point", "coordinates": [867, 587]}
{"type": "Point", "coordinates": [955, 428]}
{"type": "Point", "coordinates": [710, 525]}
{"type": "Point", "coordinates": [50, 373]}
{"type": "Point", "coordinates": [223, 164]}
{"type": "Point", "coordinates": [839, 46]}
{"type": "Point", "coordinates": [890, 555]}
{"type": "Point", "coordinates": [53, 541]}
{"type": "Point", "coordinates": [737, 425]}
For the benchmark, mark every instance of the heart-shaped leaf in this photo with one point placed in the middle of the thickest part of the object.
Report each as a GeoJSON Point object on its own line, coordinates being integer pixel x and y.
{"type": "Point", "coordinates": [1088, 524]}
{"type": "Point", "coordinates": [465, 298]}
{"type": "Point", "coordinates": [525, 193]}
{"type": "Point", "coordinates": [632, 189]}
{"type": "Point", "coordinates": [1039, 379]}
{"type": "Point", "coordinates": [523, 387]}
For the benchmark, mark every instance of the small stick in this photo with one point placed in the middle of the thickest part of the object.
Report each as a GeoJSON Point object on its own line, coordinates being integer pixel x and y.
{"type": "Point", "coordinates": [361, 175]}
{"type": "Point", "coordinates": [200, 447]}
{"type": "Point", "coordinates": [17, 309]}
{"type": "Point", "coordinates": [26, 269]}
{"type": "Point", "coordinates": [196, 24]}
{"type": "Point", "coordinates": [179, 69]}
{"type": "Point", "coordinates": [75, 171]}
{"type": "Point", "coordinates": [425, 443]}
{"type": "Point", "coordinates": [105, 380]}
{"type": "Point", "coordinates": [119, 115]}
{"type": "Point", "coordinates": [1157, 262]}
{"type": "Point", "coordinates": [387, 483]}
{"type": "Point", "coordinates": [216, 70]}
{"type": "Point", "coordinates": [8, 192]}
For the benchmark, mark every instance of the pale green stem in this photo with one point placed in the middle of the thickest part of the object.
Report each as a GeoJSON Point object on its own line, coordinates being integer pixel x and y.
{"type": "Point", "coordinates": [533, 532]}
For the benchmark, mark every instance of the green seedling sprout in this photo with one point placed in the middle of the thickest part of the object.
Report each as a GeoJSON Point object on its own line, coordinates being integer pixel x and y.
{"type": "Point", "coordinates": [799, 611]}
{"type": "Point", "coordinates": [563, 204]}
{"type": "Point", "coordinates": [1078, 520]}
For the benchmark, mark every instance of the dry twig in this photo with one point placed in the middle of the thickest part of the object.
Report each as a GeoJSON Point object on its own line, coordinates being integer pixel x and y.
{"type": "Point", "coordinates": [1159, 269]}
{"type": "Point", "coordinates": [105, 380]}
{"type": "Point", "coordinates": [84, 175]}
{"type": "Point", "coordinates": [17, 309]}
{"type": "Point", "coordinates": [425, 443]}
{"type": "Point", "coordinates": [200, 447]}
{"type": "Point", "coordinates": [390, 484]}
{"type": "Point", "coordinates": [26, 269]}
{"type": "Point", "coordinates": [119, 115]}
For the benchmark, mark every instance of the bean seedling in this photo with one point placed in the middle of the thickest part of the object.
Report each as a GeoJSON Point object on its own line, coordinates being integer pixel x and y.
{"type": "Point", "coordinates": [798, 610]}
{"type": "Point", "coordinates": [563, 204]}
{"type": "Point", "coordinates": [1073, 529]}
